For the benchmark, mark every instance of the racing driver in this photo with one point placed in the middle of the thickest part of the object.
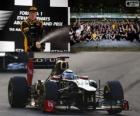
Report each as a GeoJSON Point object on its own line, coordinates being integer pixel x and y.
{"type": "Point", "coordinates": [32, 30]}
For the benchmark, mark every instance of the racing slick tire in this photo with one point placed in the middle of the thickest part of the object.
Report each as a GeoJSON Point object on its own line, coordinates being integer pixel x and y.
{"type": "Point", "coordinates": [18, 92]}
{"type": "Point", "coordinates": [113, 91]}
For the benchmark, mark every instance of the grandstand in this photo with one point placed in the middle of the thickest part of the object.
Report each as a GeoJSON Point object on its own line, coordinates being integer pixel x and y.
{"type": "Point", "coordinates": [104, 6]}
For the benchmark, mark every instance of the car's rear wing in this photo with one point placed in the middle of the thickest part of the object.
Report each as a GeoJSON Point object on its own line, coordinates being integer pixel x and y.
{"type": "Point", "coordinates": [40, 63]}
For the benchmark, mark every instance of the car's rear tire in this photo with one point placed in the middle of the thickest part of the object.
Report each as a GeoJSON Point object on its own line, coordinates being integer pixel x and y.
{"type": "Point", "coordinates": [18, 92]}
{"type": "Point", "coordinates": [113, 91]}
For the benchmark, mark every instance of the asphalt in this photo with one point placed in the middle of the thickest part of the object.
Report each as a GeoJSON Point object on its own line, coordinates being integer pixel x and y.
{"type": "Point", "coordinates": [104, 66]}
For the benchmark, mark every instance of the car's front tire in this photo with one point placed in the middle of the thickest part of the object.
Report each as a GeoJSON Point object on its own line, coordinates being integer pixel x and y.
{"type": "Point", "coordinates": [18, 92]}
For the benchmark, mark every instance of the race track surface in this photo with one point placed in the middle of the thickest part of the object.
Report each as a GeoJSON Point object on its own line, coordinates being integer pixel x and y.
{"type": "Point", "coordinates": [122, 66]}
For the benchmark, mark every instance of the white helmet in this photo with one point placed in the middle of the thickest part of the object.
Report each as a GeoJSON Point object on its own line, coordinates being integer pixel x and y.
{"type": "Point", "coordinates": [68, 74]}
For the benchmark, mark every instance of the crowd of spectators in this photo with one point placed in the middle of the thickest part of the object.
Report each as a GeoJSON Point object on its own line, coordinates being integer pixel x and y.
{"type": "Point", "coordinates": [112, 29]}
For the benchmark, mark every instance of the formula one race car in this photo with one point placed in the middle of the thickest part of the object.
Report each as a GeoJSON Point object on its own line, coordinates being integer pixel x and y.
{"type": "Point", "coordinates": [64, 88]}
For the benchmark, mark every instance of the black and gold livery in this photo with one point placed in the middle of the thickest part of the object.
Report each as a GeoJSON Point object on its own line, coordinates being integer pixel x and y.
{"type": "Point", "coordinates": [32, 31]}
{"type": "Point", "coordinates": [64, 89]}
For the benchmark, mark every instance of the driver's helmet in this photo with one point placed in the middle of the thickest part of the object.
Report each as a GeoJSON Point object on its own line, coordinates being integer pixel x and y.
{"type": "Point", "coordinates": [68, 74]}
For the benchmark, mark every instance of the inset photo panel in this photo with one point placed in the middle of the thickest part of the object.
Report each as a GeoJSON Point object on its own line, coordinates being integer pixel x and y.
{"type": "Point", "coordinates": [99, 25]}
{"type": "Point", "coordinates": [35, 26]}
{"type": "Point", "coordinates": [96, 83]}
